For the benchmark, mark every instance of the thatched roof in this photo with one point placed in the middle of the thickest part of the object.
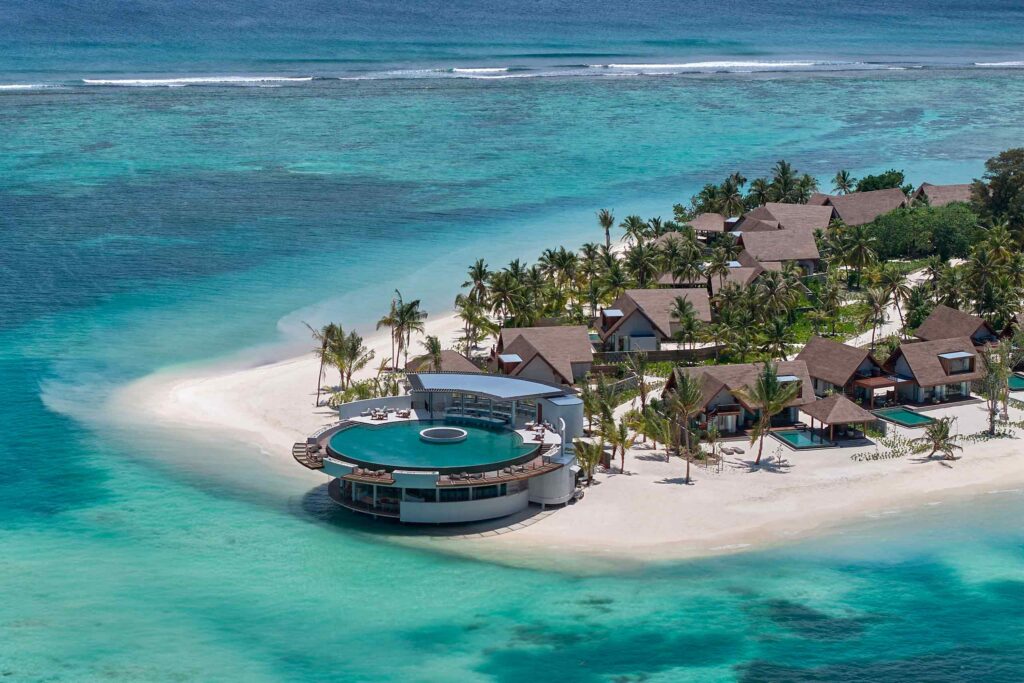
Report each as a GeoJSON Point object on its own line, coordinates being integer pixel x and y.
{"type": "Point", "coordinates": [559, 346]}
{"type": "Point", "coordinates": [715, 378]}
{"type": "Point", "coordinates": [451, 361]}
{"type": "Point", "coordinates": [945, 323]}
{"type": "Point", "coordinates": [742, 276]}
{"type": "Point", "coordinates": [656, 305]}
{"type": "Point", "coordinates": [837, 410]}
{"type": "Point", "coordinates": [832, 361]}
{"type": "Point", "coordinates": [859, 208]}
{"type": "Point", "coordinates": [926, 366]}
{"type": "Point", "coordinates": [708, 222]}
{"type": "Point", "coordinates": [940, 195]}
{"type": "Point", "coordinates": [819, 199]}
{"type": "Point", "coordinates": [780, 245]}
{"type": "Point", "coordinates": [749, 224]}
{"type": "Point", "coordinates": [800, 216]}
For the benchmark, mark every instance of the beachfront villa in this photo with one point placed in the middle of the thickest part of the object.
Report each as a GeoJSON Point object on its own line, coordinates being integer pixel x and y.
{"type": "Point", "coordinates": [781, 247]}
{"type": "Point", "coordinates": [941, 195]}
{"type": "Point", "coordinates": [837, 368]}
{"type": "Point", "coordinates": [641, 319]}
{"type": "Point", "coordinates": [558, 354]}
{"type": "Point", "coordinates": [722, 407]}
{"type": "Point", "coordinates": [858, 208]}
{"type": "Point", "coordinates": [936, 371]}
{"type": "Point", "coordinates": [949, 323]}
{"type": "Point", "coordinates": [459, 447]}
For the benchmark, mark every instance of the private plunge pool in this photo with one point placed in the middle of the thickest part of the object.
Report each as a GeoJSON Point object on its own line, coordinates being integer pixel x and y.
{"type": "Point", "coordinates": [904, 417]}
{"type": "Point", "coordinates": [430, 445]}
{"type": "Point", "coordinates": [801, 439]}
{"type": "Point", "coordinates": [1016, 382]}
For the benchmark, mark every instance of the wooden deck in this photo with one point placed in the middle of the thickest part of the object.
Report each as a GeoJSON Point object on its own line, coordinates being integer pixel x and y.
{"type": "Point", "coordinates": [502, 478]}
{"type": "Point", "coordinates": [314, 461]}
{"type": "Point", "coordinates": [383, 480]}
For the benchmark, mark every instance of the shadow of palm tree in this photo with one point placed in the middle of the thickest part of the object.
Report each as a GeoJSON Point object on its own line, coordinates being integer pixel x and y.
{"type": "Point", "coordinates": [677, 480]}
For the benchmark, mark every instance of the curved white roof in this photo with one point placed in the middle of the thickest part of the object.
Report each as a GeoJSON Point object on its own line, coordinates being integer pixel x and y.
{"type": "Point", "coordinates": [495, 386]}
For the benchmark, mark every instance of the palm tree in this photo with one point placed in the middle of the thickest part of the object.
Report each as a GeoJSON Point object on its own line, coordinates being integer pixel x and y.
{"type": "Point", "coordinates": [776, 338]}
{"type": "Point", "coordinates": [769, 397]}
{"type": "Point", "coordinates": [859, 248]}
{"type": "Point", "coordinates": [504, 294]}
{"type": "Point", "coordinates": [390, 321]}
{"type": "Point", "coordinates": [607, 220]}
{"type": "Point", "coordinates": [877, 300]}
{"type": "Point", "coordinates": [327, 336]}
{"type": "Point", "coordinates": [893, 280]}
{"type": "Point", "coordinates": [843, 182]}
{"type": "Point", "coordinates": [432, 346]}
{"type": "Point", "coordinates": [349, 355]}
{"type": "Point", "coordinates": [684, 403]}
{"type": "Point", "coordinates": [615, 281]}
{"type": "Point", "coordinates": [636, 364]}
{"type": "Point", "coordinates": [938, 438]}
{"type": "Point", "coordinates": [718, 266]}
{"type": "Point", "coordinates": [760, 192]}
{"type": "Point", "coordinates": [683, 313]}
{"type": "Point", "coordinates": [477, 278]}
{"type": "Point", "coordinates": [642, 263]}
{"type": "Point", "coordinates": [409, 318]}
{"type": "Point", "coordinates": [784, 182]}
{"type": "Point", "coordinates": [620, 439]}
{"type": "Point", "coordinates": [635, 228]}
{"type": "Point", "coordinates": [588, 455]}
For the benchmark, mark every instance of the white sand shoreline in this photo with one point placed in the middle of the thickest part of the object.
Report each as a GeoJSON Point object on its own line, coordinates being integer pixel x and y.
{"type": "Point", "coordinates": [647, 514]}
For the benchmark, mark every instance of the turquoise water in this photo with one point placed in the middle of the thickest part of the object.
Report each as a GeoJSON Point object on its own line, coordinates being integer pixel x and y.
{"type": "Point", "coordinates": [1016, 382]}
{"type": "Point", "coordinates": [799, 438]}
{"type": "Point", "coordinates": [399, 445]}
{"type": "Point", "coordinates": [905, 417]}
{"type": "Point", "coordinates": [147, 227]}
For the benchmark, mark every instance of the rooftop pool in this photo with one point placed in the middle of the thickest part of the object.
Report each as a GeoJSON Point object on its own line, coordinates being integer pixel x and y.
{"type": "Point", "coordinates": [397, 445]}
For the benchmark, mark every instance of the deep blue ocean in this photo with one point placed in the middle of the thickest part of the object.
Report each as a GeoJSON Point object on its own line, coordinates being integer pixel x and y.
{"type": "Point", "coordinates": [185, 182]}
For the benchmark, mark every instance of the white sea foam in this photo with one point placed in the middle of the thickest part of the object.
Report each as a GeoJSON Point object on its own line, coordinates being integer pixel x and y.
{"type": "Point", "coordinates": [717, 65]}
{"type": "Point", "coordinates": [195, 80]}
{"type": "Point", "coordinates": [480, 70]}
{"type": "Point", "coordinates": [25, 86]}
{"type": "Point", "coordinates": [1018, 63]}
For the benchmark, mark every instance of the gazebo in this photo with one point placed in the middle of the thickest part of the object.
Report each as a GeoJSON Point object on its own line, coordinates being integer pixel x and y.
{"type": "Point", "coordinates": [872, 384]}
{"type": "Point", "coordinates": [836, 410]}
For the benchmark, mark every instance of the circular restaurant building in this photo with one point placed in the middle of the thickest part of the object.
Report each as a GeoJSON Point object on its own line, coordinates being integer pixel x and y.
{"type": "Point", "coordinates": [459, 447]}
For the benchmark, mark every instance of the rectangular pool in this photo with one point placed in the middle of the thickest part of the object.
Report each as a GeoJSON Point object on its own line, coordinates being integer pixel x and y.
{"type": "Point", "coordinates": [1016, 382]}
{"type": "Point", "coordinates": [904, 416]}
{"type": "Point", "coordinates": [802, 438]}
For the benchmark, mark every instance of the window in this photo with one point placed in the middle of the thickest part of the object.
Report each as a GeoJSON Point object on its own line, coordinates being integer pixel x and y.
{"type": "Point", "coordinates": [482, 492]}
{"type": "Point", "coordinates": [421, 495]}
{"type": "Point", "coordinates": [453, 495]}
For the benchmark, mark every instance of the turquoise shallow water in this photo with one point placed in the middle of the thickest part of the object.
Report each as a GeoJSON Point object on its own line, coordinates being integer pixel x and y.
{"type": "Point", "coordinates": [144, 227]}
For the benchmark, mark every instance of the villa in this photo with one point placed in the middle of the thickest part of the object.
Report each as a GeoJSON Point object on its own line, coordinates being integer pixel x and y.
{"type": "Point", "coordinates": [935, 371]}
{"type": "Point", "coordinates": [641, 319]}
{"type": "Point", "coordinates": [558, 355]}
{"type": "Point", "coordinates": [859, 208]}
{"type": "Point", "coordinates": [941, 195]}
{"type": "Point", "coordinates": [838, 368]}
{"type": "Point", "coordinates": [947, 323]}
{"type": "Point", "coordinates": [741, 275]}
{"type": "Point", "coordinates": [805, 217]}
{"type": "Point", "coordinates": [708, 223]}
{"type": "Point", "coordinates": [781, 247]}
{"type": "Point", "coordinates": [721, 405]}
{"type": "Point", "coordinates": [460, 447]}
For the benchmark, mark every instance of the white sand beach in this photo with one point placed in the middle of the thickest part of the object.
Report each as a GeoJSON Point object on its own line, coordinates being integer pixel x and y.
{"type": "Point", "coordinates": [649, 513]}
